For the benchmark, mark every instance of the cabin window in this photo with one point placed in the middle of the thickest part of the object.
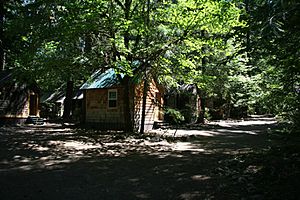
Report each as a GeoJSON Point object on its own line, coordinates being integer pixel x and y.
{"type": "Point", "coordinates": [112, 98]}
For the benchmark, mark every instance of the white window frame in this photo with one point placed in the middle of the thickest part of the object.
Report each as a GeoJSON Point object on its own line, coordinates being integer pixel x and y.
{"type": "Point", "coordinates": [112, 99]}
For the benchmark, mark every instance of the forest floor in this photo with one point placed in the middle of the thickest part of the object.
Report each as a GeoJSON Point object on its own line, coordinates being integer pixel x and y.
{"type": "Point", "coordinates": [244, 159]}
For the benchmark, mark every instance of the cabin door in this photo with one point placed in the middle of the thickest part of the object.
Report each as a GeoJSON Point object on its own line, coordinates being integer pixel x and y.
{"type": "Point", "coordinates": [33, 104]}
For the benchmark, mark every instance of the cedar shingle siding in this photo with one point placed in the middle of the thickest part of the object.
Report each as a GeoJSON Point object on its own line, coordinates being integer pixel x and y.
{"type": "Point", "coordinates": [98, 111]}
{"type": "Point", "coordinates": [99, 114]}
{"type": "Point", "coordinates": [17, 100]}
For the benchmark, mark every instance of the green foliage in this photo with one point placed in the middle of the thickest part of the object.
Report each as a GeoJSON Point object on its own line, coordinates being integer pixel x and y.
{"type": "Point", "coordinates": [173, 116]}
{"type": "Point", "coordinates": [207, 114]}
{"type": "Point", "coordinates": [115, 33]}
{"type": "Point", "coordinates": [243, 53]}
{"type": "Point", "coordinates": [273, 46]}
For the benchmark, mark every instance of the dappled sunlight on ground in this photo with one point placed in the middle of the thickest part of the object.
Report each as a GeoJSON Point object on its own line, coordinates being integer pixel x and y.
{"type": "Point", "coordinates": [33, 147]}
{"type": "Point", "coordinates": [186, 146]}
{"type": "Point", "coordinates": [220, 128]}
{"type": "Point", "coordinates": [245, 122]}
{"type": "Point", "coordinates": [217, 161]}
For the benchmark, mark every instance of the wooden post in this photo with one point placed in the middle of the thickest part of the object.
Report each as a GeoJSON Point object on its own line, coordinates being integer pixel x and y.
{"type": "Point", "coordinates": [145, 90]}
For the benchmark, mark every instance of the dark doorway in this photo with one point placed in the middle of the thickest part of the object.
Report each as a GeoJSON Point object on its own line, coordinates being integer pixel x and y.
{"type": "Point", "coordinates": [33, 104]}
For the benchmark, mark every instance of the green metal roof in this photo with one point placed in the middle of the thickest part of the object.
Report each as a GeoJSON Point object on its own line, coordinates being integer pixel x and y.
{"type": "Point", "coordinates": [101, 80]}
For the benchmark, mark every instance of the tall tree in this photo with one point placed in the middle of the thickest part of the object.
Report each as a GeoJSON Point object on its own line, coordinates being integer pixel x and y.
{"type": "Point", "coordinates": [173, 32]}
{"type": "Point", "coordinates": [274, 49]}
{"type": "Point", "coordinates": [2, 55]}
{"type": "Point", "coordinates": [65, 40]}
{"type": "Point", "coordinates": [51, 42]}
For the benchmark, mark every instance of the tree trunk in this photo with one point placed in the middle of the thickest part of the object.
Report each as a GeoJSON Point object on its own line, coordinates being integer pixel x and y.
{"type": "Point", "coordinates": [68, 101]}
{"type": "Point", "coordinates": [128, 110]}
{"type": "Point", "coordinates": [248, 31]}
{"type": "Point", "coordinates": [2, 55]}
{"type": "Point", "coordinates": [228, 108]}
{"type": "Point", "coordinates": [145, 90]}
{"type": "Point", "coordinates": [127, 106]}
{"type": "Point", "coordinates": [202, 110]}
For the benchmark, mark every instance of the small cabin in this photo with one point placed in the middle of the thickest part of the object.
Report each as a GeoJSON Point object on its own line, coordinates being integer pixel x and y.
{"type": "Point", "coordinates": [186, 100]}
{"type": "Point", "coordinates": [18, 99]}
{"type": "Point", "coordinates": [52, 104]}
{"type": "Point", "coordinates": [104, 104]}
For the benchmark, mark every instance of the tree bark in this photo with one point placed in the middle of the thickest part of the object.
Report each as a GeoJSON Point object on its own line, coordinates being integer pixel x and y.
{"type": "Point", "coordinates": [2, 54]}
{"type": "Point", "coordinates": [145, 90]}
{"type": "Point", "coordinates": [68, 101]}
{"type": "Point", "coordinates": [248, 31]}
{"type": "Point", "coordinates": [202, 110]}
{"type": "Point", "coordinates": [128, 111]}
{"type": "Point", "coordinates": [128, 93]}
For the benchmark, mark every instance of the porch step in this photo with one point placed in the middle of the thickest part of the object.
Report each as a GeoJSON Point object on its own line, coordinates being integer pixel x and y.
{"type": "Point", "coordinates": [161, 125]}
{"type": "Point", "coordinates": [34, 120]}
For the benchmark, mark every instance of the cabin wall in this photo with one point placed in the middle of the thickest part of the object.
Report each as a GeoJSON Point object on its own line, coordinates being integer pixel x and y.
{"type": "Point", "coordinates": [15, 103]}
{"type": "Point", "coordinates": [154, 104]}
{"type": "Point", "coordinates": [98, 113]}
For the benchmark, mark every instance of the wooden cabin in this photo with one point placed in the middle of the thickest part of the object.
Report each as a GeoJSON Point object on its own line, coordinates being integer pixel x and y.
{"type": "Point", "coordinates": [18, 100]}
{"type": "Point", "coordinates": [185, 99]}
{"type": "Point", "coordinates": [104, 103]}
{"type": "Point", "coordinates": [52, 104]}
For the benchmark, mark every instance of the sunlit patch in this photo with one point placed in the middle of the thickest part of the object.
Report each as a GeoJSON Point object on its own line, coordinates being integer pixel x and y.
{"type": "Point", "coordinates": [75, 145]}
{"type": "Point", "coordinates": [237, 131]}
{"type": "Point", "coordinates": [186, 133]}
{"type": "Point", "coordinates": [226, 127]}
{"type": "Point", "coordinates": [114, 144]}
{"type": "Point", "coordinates": [64, 130]}
{"type": "Point", "coordinates": [186, 146]}
{"type": "Point", "coordinates": [28, 131]}
{"type": "Point", "coordinates": [190, 195]}
{"type": "Point", "coordinates": [233, 123]}
{"type": "Point", "coordinates": [16, 157]}
{"type": "Point", "coordinates": [200, 177]}
{"type": "Point", "coordinates": [51, 160]}
{"type": "Point", "coordinates": [134, 180]}
{"type": "Point", "coordinates": [25, 160]}
{"type": "Point", "coordinates": [25, 167]}
{"type": "Point", "coordinates": [253, 169]}
{"type": "Point", "coordinates": [141, 195]}
{"type": "Point", "coordinates": [40, 148]}
{"type": "Point", "coordinates": [161, 143]}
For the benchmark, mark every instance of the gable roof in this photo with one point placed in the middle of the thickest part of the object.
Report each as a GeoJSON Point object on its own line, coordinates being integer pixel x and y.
{"type": "Point", "coordinates": [100, 80]}
{"type": "Point", "coordinates": [8, 77]}
{"type": "Point", "coordinates": [57, 96]}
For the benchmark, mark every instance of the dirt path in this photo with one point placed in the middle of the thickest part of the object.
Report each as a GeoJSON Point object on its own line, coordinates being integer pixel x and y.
{"type": "Point", "coordinates": [221, 160]}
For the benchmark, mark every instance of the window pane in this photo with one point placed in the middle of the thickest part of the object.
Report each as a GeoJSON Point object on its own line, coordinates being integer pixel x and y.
{"type": "Point", "coordinates": [112, 103]}
{"type": "Point", "coordinates": [112, 95]}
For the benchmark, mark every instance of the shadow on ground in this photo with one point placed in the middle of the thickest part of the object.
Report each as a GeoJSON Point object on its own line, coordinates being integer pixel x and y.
{"type": "Point", "coordinates": [56, 162]}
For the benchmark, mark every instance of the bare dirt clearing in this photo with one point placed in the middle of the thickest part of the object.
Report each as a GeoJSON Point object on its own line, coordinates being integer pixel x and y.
{"type": "Point", "coordinates": [220, 160]}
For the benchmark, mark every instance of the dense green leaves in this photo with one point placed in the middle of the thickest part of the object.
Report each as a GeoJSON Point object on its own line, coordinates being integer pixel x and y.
{"type": "Point", "coordinates": [274, 48]}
